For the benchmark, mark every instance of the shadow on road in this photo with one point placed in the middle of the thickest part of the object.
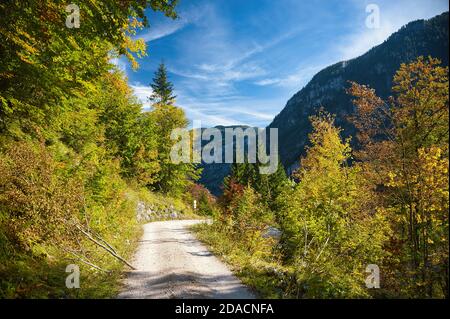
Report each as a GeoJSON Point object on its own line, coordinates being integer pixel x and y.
{"type": "Point", "coordinates": [185, 285]}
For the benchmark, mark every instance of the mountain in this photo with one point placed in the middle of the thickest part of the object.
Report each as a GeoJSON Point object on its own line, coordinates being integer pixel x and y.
{"type": "Point", "coordinates": [213, 174]}
{"type": "Point", "coordinates": [375, 68]}
{"type": "Point", "coordinates": [326, 89]}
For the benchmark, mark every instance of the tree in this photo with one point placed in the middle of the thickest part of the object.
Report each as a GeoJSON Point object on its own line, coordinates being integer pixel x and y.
{"type": "Point", "coordinates": [328, 233]}
{"type": "Point", "coordinates": [162, 88]}
{"type": "Point", "coordinates": [230, 192]}
{"type": "Point", "coordinates": [272, 185]}
{"type": "Point", "coordinates": [269, 186]}
{"type": "Point", "coordinates": [242, 173]}
{"type": "Point", "coordinates": [172, 177]}
{"type": "Point", "coordinates": [206, 202]}
{"type": "Point", "coordinates": [37, 49]}
{"type": "Point", "coordinates": [404, 151]}
{"type": "Point", "coordinates": [72, 139]}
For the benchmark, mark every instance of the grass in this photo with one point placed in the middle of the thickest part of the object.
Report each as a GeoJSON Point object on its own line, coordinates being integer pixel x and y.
{"type": "Point", "coordinates": [25, 275]}
{"type": "Point", "coordinates": [40, 272]}
{"type": "Point", "coordinates": [257, 265]}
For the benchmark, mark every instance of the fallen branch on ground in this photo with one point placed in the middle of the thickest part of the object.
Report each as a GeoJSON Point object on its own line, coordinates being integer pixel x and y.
{"type": "Point", "coordinates": [105, 246]}
{"type": "Point", "coordinates": [86, 262]}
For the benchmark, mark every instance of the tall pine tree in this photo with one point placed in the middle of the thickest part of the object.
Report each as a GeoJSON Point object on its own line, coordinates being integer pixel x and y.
{"type": "Point", "coordinates": [162, 88]}
{"type": "Point", "coordinates": [173, 178]}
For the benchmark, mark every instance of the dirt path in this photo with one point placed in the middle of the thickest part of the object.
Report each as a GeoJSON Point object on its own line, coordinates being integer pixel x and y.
{"type": "Point", "coordinates": [172, 263]}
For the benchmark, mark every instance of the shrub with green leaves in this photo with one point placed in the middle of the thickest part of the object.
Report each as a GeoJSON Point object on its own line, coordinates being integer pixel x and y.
{"type": "Point", "coordinates": [329, 235]}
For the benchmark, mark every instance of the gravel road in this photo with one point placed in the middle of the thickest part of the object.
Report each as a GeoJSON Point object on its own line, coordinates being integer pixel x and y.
{"type": "Point", "coordinates": [172, 263]}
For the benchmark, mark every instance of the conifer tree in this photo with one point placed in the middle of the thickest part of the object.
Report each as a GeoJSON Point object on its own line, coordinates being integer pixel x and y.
{"type": "Point", "coordinates": [172, 177]}
{"type": "Point", "coordinates": [277, 181]}
{"type": "Point", "coordinates": [162, 88]}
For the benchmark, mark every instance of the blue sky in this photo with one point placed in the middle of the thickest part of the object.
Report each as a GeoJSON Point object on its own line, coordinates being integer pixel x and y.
{"type": "Point", "coordinates": [239, 61]}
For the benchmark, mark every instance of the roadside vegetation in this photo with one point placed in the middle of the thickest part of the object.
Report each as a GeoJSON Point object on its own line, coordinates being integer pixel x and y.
{"type": "Point", "coordinates": [385, 202]}
{"type": "Point", "coordinates": [82, 164]}
{"type": "Point", "coordinates": [77, 151]}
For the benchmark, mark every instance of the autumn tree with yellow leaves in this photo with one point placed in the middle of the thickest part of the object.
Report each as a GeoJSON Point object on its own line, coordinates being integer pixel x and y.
{"type": "Point", "coordinates": [330, 234]}
{"type": "Point", "coordinates": [404, 152]}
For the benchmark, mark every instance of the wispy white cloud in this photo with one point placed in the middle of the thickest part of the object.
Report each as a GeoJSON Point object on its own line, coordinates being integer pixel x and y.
{"type": "Point", "coordinates": [295, 80]}
{"type": "Point", "coordinates": [209, 114]}
{"type": "Point", "coordinates": [242, 107]}
{"type": "Point", "coordinates": [223, 61]}
{"type": "Point", "coordinates": [222, 73]}
{"type": "Point", "coordinates": [270, 81]}
{"type": "Point", "coordinates": [360, 42]}
{"type": "Point", "coordinates": [225, 74]}
{"type": "Point", "coordinates": [236, 110]}
{"type": "Point", "coordinates": [142, 92]}
{"type": "Point", "coordinates": [165, 27]}
{"type": "Point", "coordinates": [208, 120]}
{"type": "Point", "coordinates": [163, 30]}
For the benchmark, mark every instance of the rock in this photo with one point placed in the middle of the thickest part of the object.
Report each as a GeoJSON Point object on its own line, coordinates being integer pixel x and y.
{"type": "Point", "coordinates": [272, 232]}
{"type": "Point", "coordinates": [140, 208]}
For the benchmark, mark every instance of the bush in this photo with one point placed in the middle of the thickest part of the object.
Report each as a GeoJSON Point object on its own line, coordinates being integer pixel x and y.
{"type": "Point", "coordinates": [36, 201]}
{"type": "Point", "coordinates": [206, 202]}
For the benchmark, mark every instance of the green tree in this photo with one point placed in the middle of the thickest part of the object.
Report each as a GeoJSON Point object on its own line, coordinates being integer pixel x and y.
{"type": "Point", "coordinates": [162, 88]}
{"type": "Point", "coordinates": [172, 177]}
{"type": "Point", "coordinates": [242, 173]}
{"type": "Point", "coordinates": [71, 133]}
{"type": "Point", "coordinates": [269, 186]}
{"type": "Point", "coordinates": [328, 233]}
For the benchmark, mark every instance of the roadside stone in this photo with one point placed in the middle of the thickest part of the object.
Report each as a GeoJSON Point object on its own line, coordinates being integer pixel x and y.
{"type": "Point", "coordinates": [272, 232]}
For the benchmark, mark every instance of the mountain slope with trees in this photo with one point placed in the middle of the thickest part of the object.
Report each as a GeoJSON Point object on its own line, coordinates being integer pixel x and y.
{"type": "Point", "coordinates": [375, 68]}
{"type": "Point", "coordinates": [327, 89]}
{"type": "Point", "coordinates": [347, 211]}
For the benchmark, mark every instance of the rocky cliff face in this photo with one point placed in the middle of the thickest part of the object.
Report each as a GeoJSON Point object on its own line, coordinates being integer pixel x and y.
{"type": "Point", "coordinates": [375, 68]}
